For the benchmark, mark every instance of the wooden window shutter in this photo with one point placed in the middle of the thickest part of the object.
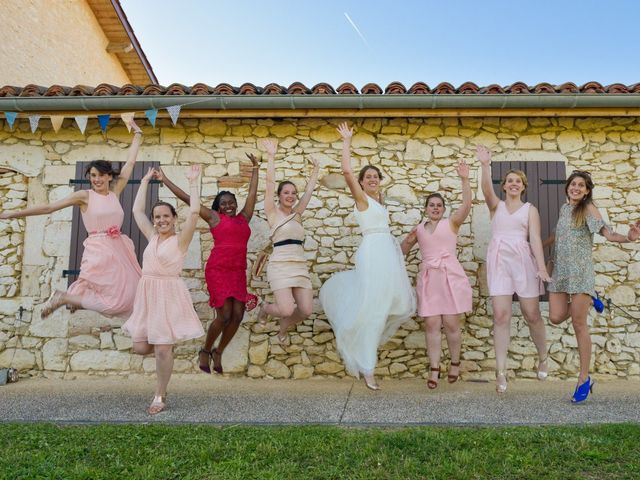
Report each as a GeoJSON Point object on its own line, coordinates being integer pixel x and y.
{"type": "Point", "coordinates": [545, 190]}
{"type": "Point", "coordinates": [129, 227]}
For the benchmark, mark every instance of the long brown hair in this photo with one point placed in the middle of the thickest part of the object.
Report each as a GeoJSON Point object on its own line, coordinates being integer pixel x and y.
{"type": "Point", "coordinates": [579, 214]}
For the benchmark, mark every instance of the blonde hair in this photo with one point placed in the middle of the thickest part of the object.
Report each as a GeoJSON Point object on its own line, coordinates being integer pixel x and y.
{"type": "Point", "coordinates": [519, 173]}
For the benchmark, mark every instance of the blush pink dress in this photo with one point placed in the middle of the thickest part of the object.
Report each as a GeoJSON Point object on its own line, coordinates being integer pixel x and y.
{"type": "Point", "coordinates": [109, 270]}
{"type": "Point", "coordinates": [163, 312]}
{"type": "Point", "coordinates": [442, 286]}
{"type": "Point", "coordinates": [511, 267]}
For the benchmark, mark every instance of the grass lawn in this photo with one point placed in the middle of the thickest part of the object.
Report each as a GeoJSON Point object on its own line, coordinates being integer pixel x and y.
{"type": "Point", "coordinates": [34, 451]}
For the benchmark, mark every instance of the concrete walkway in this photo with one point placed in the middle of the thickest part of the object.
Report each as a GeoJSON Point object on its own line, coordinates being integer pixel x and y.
{"type": "Point", "coordinates": [223, 401]}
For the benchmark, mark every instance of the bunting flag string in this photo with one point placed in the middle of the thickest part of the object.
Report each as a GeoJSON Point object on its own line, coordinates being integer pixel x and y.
{"type": "Point", "coordinates": [152, 114]}
{"type": "Point", "coordinates": [81, 121]}
{"type": "Point", "coordinates": [11, 118]}
{"type": "Point", "coordinates": [103, 120]}
{"type": "Point", "coordinates": [56, 122]}
{"type": "Point", "coordinates": [33, 122]}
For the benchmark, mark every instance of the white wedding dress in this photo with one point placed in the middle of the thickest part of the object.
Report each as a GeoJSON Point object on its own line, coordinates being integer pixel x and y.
{"type": "Point", "coordinates": [365, 306]}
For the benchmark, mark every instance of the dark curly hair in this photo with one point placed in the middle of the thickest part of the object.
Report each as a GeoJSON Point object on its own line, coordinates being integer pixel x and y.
{"type": "Point", "coordinates": [105, 167]}
{"type": "Point", "coordinates": [216, 201]}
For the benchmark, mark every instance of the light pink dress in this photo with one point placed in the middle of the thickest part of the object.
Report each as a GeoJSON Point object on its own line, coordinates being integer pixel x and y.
{"type": "Point", "coordinates": [511, 267]}
{"type": "Point", "coordinates": [442, 286]}
{"type": "Point", "coordinates": [163, 312]}
{"type": "Point", "coordinates": [109, 270]}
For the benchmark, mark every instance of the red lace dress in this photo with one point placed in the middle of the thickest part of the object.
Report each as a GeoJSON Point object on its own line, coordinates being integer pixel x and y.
{"type": "Point", "coordinates": [226, 269]}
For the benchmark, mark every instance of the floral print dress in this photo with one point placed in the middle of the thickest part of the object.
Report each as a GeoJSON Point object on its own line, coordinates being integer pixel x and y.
{"type": "Point", "coordinates": [573, 258]}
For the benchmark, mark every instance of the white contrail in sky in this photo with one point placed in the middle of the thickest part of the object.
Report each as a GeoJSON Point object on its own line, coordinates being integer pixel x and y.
{"type": "Point", "coordinates": [355, 27]}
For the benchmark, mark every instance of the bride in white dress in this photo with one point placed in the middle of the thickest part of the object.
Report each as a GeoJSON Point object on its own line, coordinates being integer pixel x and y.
{"type": "Point", "coordinates": [365, 306]}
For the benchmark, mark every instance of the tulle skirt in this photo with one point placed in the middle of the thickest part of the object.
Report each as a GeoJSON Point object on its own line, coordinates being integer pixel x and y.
{"type": "Point", "coordinates": [367, 305]}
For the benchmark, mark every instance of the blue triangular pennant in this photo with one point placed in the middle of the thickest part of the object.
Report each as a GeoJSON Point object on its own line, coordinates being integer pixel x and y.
{"type": "Point", "coordinates": [11, 117]}
{"type": "Point", "coordinates": [151, 115]}
{"type": "Point", "coordinates": [103, 120]}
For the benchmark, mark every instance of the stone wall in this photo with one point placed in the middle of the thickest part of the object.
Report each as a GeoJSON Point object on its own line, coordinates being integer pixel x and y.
{"type": "Point", "coordinates": [416, 155]}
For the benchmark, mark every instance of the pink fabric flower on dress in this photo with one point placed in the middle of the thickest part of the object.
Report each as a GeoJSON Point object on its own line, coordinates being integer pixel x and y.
{"type": "Point", "coordinates": [113, 232]}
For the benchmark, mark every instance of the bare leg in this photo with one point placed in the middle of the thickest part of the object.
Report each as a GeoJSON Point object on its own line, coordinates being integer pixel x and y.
{"type": "Point", "coordinates": [164, 368]}
{"type": "Point", "coordinates": [142, 348]}
{"type": "Point", "coordinates": [558, 307]}
{"type": "Point", "coordinates": [502, 311]}
{"type": "Point", "coordinates": [531, 311]}
{"type": "Point", "coordinates": [433, 336]}
{"type": "Point", "coordinates": [303, 307]}
{"type": "Point", "coordinates": [223, 314]}
{"type": "Point", "coordinates": [231, 327]}
{"type": "Point", "coordinates": [454, 341]}
{"type": "Point", "coordinates": [579, 307]}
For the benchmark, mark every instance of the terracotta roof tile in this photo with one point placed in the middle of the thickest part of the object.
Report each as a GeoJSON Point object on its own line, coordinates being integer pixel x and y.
{"type": "Point", "coordinates": [201, 89]}
{"type": "Point", "coordinates": [395, 88]}
{"type": "Point", "coordinates": [419, 88]}
{"type": "Point", "coordinates": [32, 90]}
{"type": "Point", "coordinates": [468, 88]}
{"type": "Point", "coordinates": [249, 89]}
{"type": "Point", "coordinates": [616, 88]}
{"type": "Point", "coordinates": [105, 89]}
{"type": "Point", "coordinates": [517, 88]}
{"type": "Point", "coordinates": [444, 88]}
{"type": "Point", "coordinates": [297, 88]}
{"type": "Point", "coordinates": [347, 89]}
{"type": "Point", "coordinates": [10, 91]}
{"type": "Point", "coordinates": [371, 89]}
{"type": "Point", "coordinates": [568, 87]}
{"type": "Point", "coordinates": [493, 89]}
{"type": "Point", "coordinates": [322, 89]}
{"type": "Point", "coordinates": [544, 88]}
{"type": "Point", "coordinates": [131, 90]}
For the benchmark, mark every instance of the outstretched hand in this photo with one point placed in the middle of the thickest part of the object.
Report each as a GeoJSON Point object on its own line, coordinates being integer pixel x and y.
{"type": "Point", "coordinates": [345, 132]}
{"type": "Point", "coordinates": [270, 146]}
{"type": "Point", "coordinates": [254, 160]}
{"type": "Point", "coordinates": [483, 155]}
{"type": "Point", "coordinates": [634, 231]}
{"type": "Point", "coordinates": [412, 236]}
{"type": "Point", "coordinates": [158, 175]}
{"type": "Point", "coordinates": [193, 173]}
{"type": "Point", "coordinates": [463, 169]}
{"type": "Point", "coordinates": [314, 161]}
{"type": "Point", "coordinates": [5, 216]}
{"type": "Point", "coordinates": [150, 173]}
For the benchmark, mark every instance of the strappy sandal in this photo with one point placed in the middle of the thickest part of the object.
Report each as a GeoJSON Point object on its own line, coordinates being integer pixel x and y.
{"type": "Point", "coordinates": [216, 356]}
{"type": "Point", "coordinates": [453, 378]}
{"type": "Point", "coordinates": [541, 374]}
{"type": "Point", "coordinates": [432, 384]}
{"type": "Point", "coordinates": [52, 304]}
{"type": "Point", "coordinates": [284, 340]}
{"type": "Point", "coordinates": [205, 368]}
{"type": "Point", "coordinates": [158, 405]}
{"type": "Point", "coordinates": [501, 388]}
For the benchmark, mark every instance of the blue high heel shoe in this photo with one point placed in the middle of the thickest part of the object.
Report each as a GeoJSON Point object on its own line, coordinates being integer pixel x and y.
{"type": "Point", "coordinates": [582, 391]}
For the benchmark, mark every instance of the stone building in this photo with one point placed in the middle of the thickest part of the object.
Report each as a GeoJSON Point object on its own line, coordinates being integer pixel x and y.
{"type": "Point", "coordinates": [415, 135]}
{"type": "Point", "coordinates": [70, 42]}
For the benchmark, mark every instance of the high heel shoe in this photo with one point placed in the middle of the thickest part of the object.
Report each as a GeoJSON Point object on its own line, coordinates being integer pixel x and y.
{"type": "Point", "coordinates": [432, 384]}
{"type": "Point", "coordinates": [582, 391]}
{"type": "Point", "coordinates": [206, 368]}
{"type": "Point", "coordinates": [453, 378]}
{"type": "Point", "coordinates": [216, 356]}
{"type": "Point", "coordinates": [542, 374]}
{"type": "Point", "coordinates": [501, 387]}
{"type": "Point", "coordinates": [370, 382]}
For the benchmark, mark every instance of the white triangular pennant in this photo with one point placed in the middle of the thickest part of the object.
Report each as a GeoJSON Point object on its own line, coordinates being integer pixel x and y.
{"type": "Point", "coordinates": [174, 113]}
{"type": "Point", "coordinates": [81, 121]}
{"type": "Point", "coordinates": [33, 122]}
{"type": "Point", "coordinates": [126, 118]}
{"type": "Point", "coordinates": [56, 122]}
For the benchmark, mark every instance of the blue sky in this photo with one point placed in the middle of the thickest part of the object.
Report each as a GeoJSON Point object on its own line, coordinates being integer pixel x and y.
{"type": "Point", "coordinates": [489, 41]}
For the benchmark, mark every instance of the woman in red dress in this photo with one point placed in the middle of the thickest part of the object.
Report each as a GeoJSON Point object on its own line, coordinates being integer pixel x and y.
{"type": "Point", "coordinates": [226, 269]}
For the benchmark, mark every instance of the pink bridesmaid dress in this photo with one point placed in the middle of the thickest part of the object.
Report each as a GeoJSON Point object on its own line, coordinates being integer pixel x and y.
{"type": "Point", "coordinates": [511, 267]}
{"type": "Point", "coordinates": [109, 270]}
{"type": "Point", "coordinates": [442, 286]}
{"type": "Point", "coordinates": [163, 312]}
